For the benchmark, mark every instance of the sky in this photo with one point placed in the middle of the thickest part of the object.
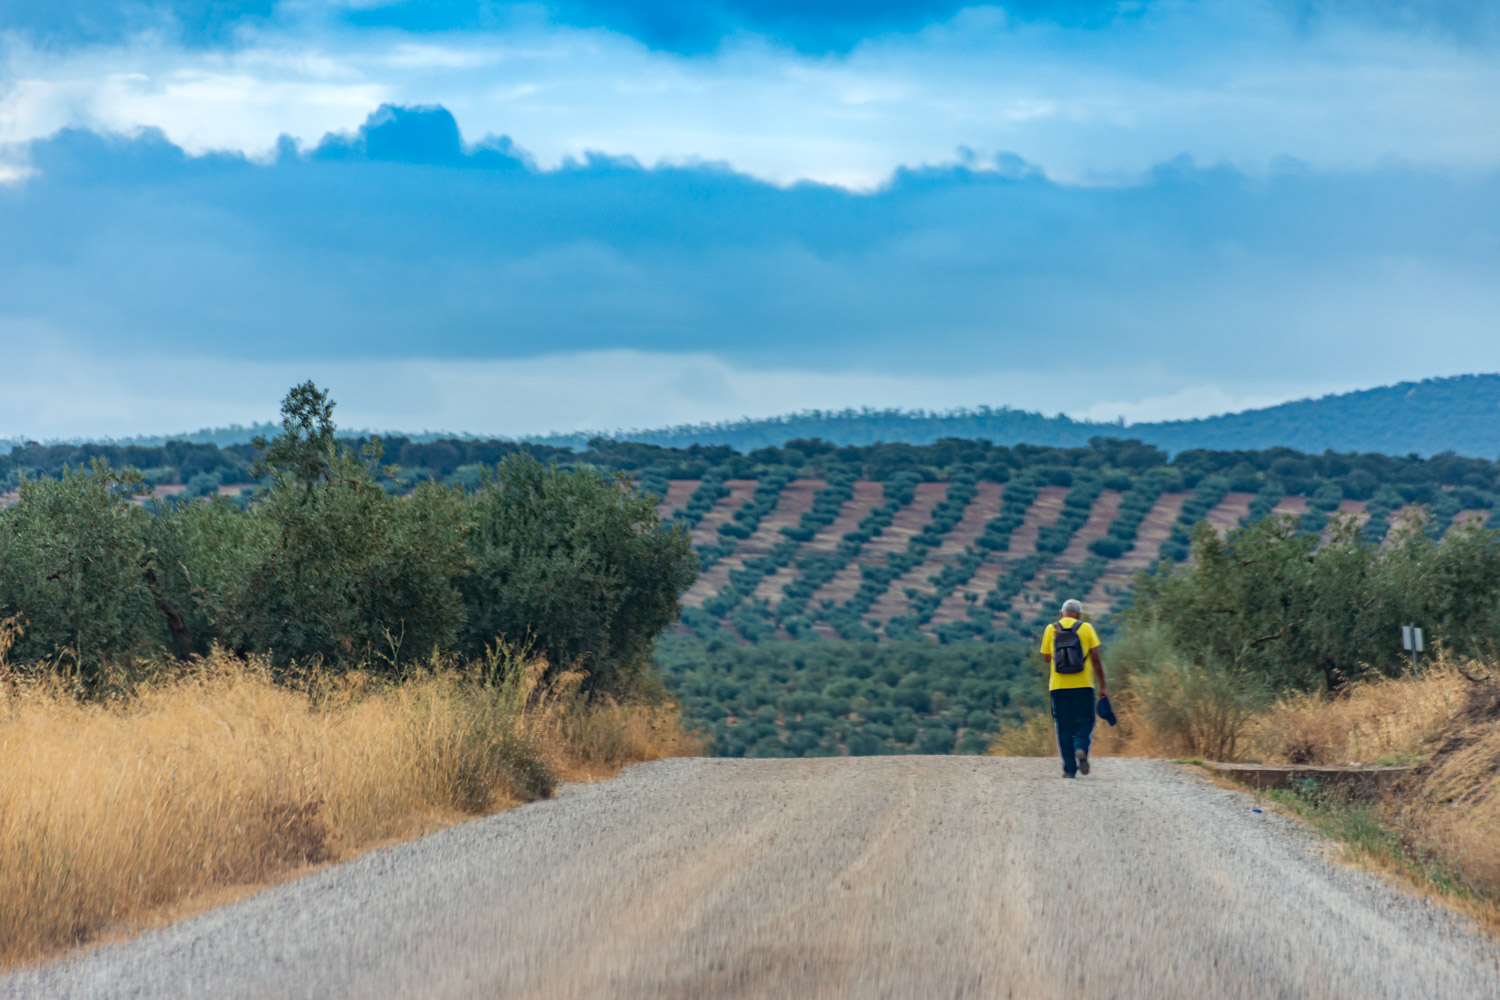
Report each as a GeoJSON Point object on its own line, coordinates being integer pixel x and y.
{"type": "Point", "coordinates": [516, 218]}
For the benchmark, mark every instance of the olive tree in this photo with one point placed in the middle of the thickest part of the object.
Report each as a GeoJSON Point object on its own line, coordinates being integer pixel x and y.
{"type": "Point", "coordinates": [575, 565]}
{"type": "Point", "coordinates": [199, 556]}
{"type": "Point", "coordinates": [1269, 602]}
{"type": "Point", "coordinates": [72, 551]}
{"type": "Point", "coordinates": [347, 573]}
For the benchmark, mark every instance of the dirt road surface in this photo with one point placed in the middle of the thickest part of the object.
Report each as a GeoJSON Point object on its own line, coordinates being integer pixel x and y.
{"type": "Point", "coordinates": [901, 877]}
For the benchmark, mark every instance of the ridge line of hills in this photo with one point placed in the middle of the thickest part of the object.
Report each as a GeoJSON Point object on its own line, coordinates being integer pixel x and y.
{"type": "Point", "coordinates": [1458, 414]}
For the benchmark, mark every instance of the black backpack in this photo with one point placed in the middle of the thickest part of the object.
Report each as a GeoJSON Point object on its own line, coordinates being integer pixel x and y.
{"type": "Point", "coordinates": [1067, 649]}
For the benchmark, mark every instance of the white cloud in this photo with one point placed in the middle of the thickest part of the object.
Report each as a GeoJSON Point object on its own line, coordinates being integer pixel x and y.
{"type": "Point", "coordinates": [1231, 81]}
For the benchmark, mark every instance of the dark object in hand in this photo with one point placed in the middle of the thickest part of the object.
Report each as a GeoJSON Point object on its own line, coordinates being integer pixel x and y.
{"type": "Point", "coordinates": [1106, 712]}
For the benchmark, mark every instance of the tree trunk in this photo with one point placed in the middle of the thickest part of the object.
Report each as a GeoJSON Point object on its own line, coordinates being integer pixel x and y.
{"type": "Point", "coordinates": [182, 639]}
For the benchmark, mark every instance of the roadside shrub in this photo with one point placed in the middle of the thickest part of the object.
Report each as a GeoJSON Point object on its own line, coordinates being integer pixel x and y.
{"type": "Point", "coordinates": [72, 552]}
{"type": "Point", "coordinates": [575, 567]}
{"type": "Point", "coordinates": [348, 573]}
{"type": "Point", "coordinates": [1266, 601]}
{"type": "Point", "coordinates": [1171, 705]}
{"type": "Point", "coordinates": [1199, 710]}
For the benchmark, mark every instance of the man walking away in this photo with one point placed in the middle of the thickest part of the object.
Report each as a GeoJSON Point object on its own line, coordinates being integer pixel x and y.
{"type": "Point", "coordinates": [1071, 648]}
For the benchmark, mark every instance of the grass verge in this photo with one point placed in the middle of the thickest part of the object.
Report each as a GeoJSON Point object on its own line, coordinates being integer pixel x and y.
{"type": "Point", "coordinates": [1368, 838]}
{"type": "Point", "coordinates": [221, 777]}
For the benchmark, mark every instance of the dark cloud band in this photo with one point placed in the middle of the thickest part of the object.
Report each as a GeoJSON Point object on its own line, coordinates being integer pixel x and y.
{"type": "Point", "coordinates": [402, 240]}
{"type": "Point", "coordinates": [675, 25]}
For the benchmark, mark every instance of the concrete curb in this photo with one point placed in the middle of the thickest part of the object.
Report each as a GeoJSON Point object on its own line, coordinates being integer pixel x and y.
{"type": "Point", "coordinates": [1360, 780]}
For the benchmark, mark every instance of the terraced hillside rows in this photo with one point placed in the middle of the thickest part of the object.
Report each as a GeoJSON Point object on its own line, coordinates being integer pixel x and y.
{"type": "Point", "coordinates": [952, 560]}
{"type": "Point", "coordinates": [865, 497]}
{"type": "Point", "coordinates": [794, 500]}
{"type": "Point", "coordinates": [959, 539]}
{"type": "Point", "coordinates": [966, 601]}
{"type": "Point", "coordinates": [1112, 586]}
{"type": "Point", "coordinates": [922, 578]}
{"type": "Point", "coordinates": [909, 519]}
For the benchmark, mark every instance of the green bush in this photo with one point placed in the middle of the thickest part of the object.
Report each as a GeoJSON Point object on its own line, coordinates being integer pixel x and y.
{"type": "Point", "coordinates": [201, 557]}
{"type": "Point", "coordinates": [332, 563]}
{"type": "Point", "coordinates": [348, 573]}
{"type": "Point", "coordinates": [1205, 708]}
{"type": "Point", "coordinates": [575, 567]}
{"type": "Point", "coordinates": [1267, 602]}
{"type": "Point", "coordinates": [1107, 547]}
{"type": "Point", "coordinates": [72, 558]}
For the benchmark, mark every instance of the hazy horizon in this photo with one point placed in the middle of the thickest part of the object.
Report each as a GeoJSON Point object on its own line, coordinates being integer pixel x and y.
{"type": "Point", "coordinates": [697, 429]}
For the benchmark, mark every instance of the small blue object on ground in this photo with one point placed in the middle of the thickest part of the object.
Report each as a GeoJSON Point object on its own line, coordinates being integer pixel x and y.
{"type": "Point", "coordinates": [1255, 810]}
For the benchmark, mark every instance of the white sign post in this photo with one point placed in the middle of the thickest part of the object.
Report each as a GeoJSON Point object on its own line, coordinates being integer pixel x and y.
{"type": "Point", "coordinates": [1411, 638]}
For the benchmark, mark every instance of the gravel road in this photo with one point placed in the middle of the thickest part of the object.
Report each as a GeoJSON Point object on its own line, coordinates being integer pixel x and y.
{"type": "Point", "coordinates": [920, 877]}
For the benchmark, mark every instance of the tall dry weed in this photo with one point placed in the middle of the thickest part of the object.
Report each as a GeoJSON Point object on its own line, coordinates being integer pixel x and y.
{"type": "Point", "coordinates": [587, 741]}
{"type": "Point", "coordinates": [221, 777]}
{"type": "Point", "coordinates": [1169, 710]}
{"type": "Point", "coordinates": [1033, 737]}
{"type": "Point", "coordinates": [1371, 722]}
{"type": "Point", "coordinates": [1450, 803]}
{"type": "Point", "coordinates": [1197, 711]}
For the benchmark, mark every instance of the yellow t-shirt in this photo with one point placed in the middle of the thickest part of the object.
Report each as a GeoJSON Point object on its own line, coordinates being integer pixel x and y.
{"type": "Point", "coordinates": [1087, 638]}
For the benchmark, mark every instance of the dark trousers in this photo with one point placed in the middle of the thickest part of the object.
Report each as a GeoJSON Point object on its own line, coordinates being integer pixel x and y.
{"type": "Point", "coordinates": [1073, 712]}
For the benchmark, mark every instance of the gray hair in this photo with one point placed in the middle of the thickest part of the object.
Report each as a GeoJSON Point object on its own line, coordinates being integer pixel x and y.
{"type": "Point", "coordinates": [1072, 608]}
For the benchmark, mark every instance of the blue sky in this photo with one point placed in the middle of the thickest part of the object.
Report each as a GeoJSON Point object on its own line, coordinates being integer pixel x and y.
{"type": "Point", "coordinates": [515, 218]}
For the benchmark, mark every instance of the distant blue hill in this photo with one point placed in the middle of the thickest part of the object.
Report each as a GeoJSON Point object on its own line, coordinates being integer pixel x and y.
{"type": "Point", "coordinates": [1459, 414]}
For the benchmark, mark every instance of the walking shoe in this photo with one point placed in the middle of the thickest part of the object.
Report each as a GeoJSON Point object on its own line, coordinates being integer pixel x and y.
{"type": "Point", "coordinates": [1082, 756]}
{"type": "Point", "coordinates": [1070, 774]}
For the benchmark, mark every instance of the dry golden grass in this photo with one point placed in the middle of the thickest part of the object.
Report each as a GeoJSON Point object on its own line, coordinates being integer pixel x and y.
{"type": "Point", "coordinates": [221, 777]}
{"type": "Point", "coordinates": [1034, 737]}
{"type": "Point", "coordinates": [593, 742]}
{"type": "Point", "coordinates": [1450, 803]}
{"type": "Point", "coordinates": [1131, 737]}
{"type": "Point", "coordinates": [1373, 722]}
